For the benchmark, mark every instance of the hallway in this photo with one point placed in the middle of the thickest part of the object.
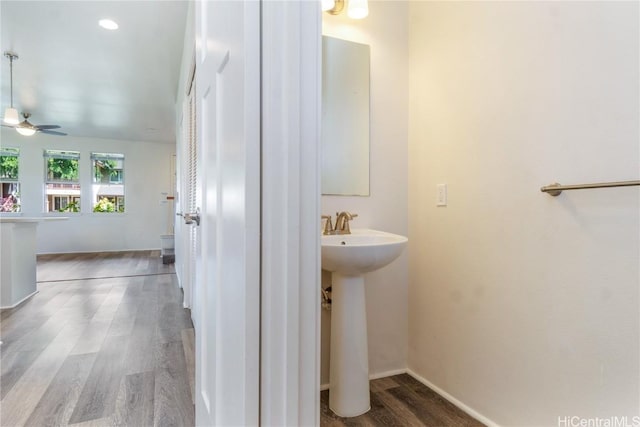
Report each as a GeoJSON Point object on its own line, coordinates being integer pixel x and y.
{"type": "Point", "coordinates": [105, 342]}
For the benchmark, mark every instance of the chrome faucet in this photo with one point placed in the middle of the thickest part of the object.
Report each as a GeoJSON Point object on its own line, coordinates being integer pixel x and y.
{"type": "Point", "coordinates": [342, 223]}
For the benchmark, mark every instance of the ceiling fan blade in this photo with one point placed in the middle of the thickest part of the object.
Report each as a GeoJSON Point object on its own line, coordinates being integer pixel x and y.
{"type": "Point", "coordinates": [53, 132]}
{"type": "Point", "coordinates": [9, 126]}
{"type": "Point", "coordinates": [46, 127]}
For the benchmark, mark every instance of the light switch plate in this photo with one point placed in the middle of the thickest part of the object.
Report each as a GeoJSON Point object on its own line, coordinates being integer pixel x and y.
{"type": "Point", "coordinates": [441, 197]}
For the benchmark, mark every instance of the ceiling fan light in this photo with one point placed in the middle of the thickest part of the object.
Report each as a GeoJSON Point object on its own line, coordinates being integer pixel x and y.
{"type": "Point", "coordinates": [108, 24]}
{"type": "Point", "coordinates": [11, 116]}
{"type": "Point", "coordinates": [25, 131]}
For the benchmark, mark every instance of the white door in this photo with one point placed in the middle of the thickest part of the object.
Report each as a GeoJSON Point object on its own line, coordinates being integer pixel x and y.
{"type": "Point", "coordinates": [227, 285]}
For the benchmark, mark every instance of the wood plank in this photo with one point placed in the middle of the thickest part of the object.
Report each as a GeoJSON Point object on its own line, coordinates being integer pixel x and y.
{"type": "Point", "coordinates": [13, 367]}
{"type": "Point", "coordinates": [39, 338]}
{"type": "Point", "coordinates": [12, 333]}
{"type": "Point", "coordinates": [100, 422]}
{"type": "Point", "coordinates": [134, 406]}
{"type": "Point", "coordinates": [123, 319]}
{"type": "Point", "coordinates": [172, 402]}
{"type": "Point", "coordinates": [382, 384]}
{"type": "Point", "coordinates": [20, 401]}
{"type": "Point", "coordinates": [446, 412]}
{"type": "Point", "coordinates": [406, 408]}
{"type": "Point", "coordinates": [381, 415]}
{"type": "Point", "coordinates": [170, 324]}
{"type": "Point", "coordinates": [57, 403]}
{"type": "Point", "coordinates": [189, 346]}
{"type": "Point", "coordinates": [98, 396]}
{"type": "Point", "coordinates": [414, 405]}
{"type": "Point", "coordinates": [377, 416]}
{"type": "Point", "coordinates": [93, 338]}
{"type": "Point", "coordinates": [140, 345]}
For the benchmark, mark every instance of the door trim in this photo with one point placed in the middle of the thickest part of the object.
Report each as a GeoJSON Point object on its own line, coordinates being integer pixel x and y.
{"type": "Point", "coordinates": [290, 252]}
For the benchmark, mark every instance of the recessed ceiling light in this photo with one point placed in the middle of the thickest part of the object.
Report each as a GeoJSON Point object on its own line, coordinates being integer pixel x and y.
{"type": "Point", "coordinates": [108, 24]}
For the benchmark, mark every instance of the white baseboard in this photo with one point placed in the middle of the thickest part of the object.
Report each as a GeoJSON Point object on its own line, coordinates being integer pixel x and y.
{"type": "Point", "coordinates": [19, 302]}
{"type": "Point", "coordinates": [470, 411]}
{"type": "Point", "coordinates": [387, 374]}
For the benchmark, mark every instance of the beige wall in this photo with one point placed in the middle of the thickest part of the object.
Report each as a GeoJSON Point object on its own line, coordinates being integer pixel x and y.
{"type": "Point", "coordinates": [522, 306]}
{"type": "Point", "coordinates": [385, 30]}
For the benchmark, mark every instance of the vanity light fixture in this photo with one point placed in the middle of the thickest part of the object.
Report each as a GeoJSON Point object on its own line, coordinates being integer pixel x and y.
{"type": "Point", "coordinates": [108, 24]}
{"type": "Point", "coordinates": [11, 114]}
{"type": "Point", "coordinates": [333, 7]}
{"type": "Point", "coordinates": [356, 9]}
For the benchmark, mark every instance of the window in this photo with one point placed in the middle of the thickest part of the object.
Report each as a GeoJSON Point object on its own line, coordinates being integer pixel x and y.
{"type": "Point", "coordinates": [62, 185]}
{"type": "Point", "coordinates": [10, 197]}
{"type": "Point", "coordinates": [108, 182]}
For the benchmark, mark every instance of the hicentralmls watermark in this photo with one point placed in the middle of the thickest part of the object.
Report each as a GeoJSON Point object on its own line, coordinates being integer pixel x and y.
{"type": "Point", "coordinates": [576, 421]}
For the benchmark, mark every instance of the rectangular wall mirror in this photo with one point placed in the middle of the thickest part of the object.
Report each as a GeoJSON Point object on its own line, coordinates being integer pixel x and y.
{"type": "Point", "coordinates": [345, 117]}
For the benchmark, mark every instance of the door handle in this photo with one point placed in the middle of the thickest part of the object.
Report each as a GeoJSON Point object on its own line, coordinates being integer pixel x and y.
{"type": "Point", "coordinates": [190, 218]}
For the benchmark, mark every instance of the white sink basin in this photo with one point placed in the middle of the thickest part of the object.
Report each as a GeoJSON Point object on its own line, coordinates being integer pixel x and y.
{"type": "Point", "coordinates": [348, 257]}
{"type": "Point", "coordinates": [361, 251]}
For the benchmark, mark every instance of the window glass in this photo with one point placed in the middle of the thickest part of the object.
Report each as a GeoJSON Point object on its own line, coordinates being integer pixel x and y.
{"type": "Point", "coordinates": [9, 175]}
{"type": "Point", "coordinates": [62, 184]}
{"type": "Point", "coordinates": [108, 182]}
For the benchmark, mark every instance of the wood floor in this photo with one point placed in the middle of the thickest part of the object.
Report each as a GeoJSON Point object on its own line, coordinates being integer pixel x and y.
{"type": "Point", "coordinates": [58, 267]}
{"type": "Point", "coordinates": [400, 401]}
{"type": "Point", "coordinates": [106, 342]}
{"type": "Point", "coordinates": [112, 351]}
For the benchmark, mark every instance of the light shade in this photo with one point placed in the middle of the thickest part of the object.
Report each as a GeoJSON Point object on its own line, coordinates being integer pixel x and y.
{"type": "Point", "coordinates": [108, 24]}
{"type": "Point", "coordinates": [358, 9]}
{"type": "Point", "coordinates": [26, 131]}
{"type": "Point", "coordinates": [328, 5]}
{"type": "Point", "coordinates": [11, 116]}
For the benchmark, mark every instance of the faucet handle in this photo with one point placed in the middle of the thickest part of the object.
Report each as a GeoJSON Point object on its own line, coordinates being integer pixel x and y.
{"type": "Point", "coordinates": [328, 227]}
{"type": "Point", "coordinates": [350, 216]}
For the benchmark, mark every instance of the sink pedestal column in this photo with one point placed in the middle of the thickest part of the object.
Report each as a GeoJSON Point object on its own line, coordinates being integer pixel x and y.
{"type": "Point", "coordinates": [349, 369]}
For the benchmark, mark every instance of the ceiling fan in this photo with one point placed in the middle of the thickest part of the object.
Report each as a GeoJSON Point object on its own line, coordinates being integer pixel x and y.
{"type": "Point", "coordinates": [26, 128]}
{"type": "Point", "coordinates": [11, 114]}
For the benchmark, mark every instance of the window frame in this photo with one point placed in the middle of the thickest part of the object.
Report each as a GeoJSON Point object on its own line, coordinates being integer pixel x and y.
{"type": "Point", "coordinates": [98, 185]}
{"type": "Point", "coordinates": [11, 181]}
{"type": "Point", "coordinates": [71, 198]}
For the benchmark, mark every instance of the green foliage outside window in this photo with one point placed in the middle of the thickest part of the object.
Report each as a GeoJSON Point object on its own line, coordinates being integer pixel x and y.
{"type": "Point", "coordinates": [104, 205]}
{"type": "Point", "coordinates": [71, 207]}
{"type": "Point", "coordinates": [9, 167]}
{"type": "Point", "coordinates": [104, 169]}
{"type": "Point", "coordinates": [62, 169]}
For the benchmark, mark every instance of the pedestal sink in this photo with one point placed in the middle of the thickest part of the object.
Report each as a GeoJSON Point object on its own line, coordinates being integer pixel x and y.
{"type": "Point", "coordinates": [348, 257]}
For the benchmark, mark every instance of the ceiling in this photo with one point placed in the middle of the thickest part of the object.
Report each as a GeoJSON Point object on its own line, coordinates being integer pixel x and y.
{"type": "Point", "coordinates": [93, 82]}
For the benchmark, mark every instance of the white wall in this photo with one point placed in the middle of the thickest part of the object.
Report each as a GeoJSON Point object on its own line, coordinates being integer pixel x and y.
{"type": "Point", "coordinates": [385, 30]}
{"type": "Point", "coordinates": [146, 176]}
{"type": "Point", "coordinates": [523, 306]}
